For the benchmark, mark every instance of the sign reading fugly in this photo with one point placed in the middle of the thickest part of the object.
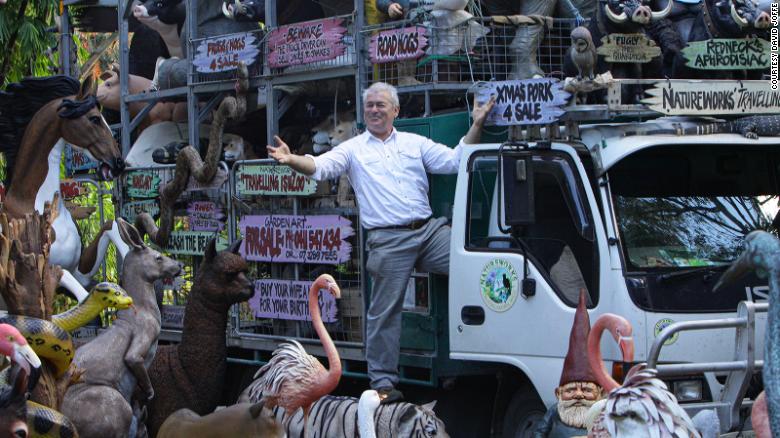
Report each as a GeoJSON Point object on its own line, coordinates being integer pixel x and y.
{"type": "Point", "coordinates": [728, 54]}
{"type": "Point", "coordinates": [682, 97]}
{"type": "Point", "coordinates": [524, 102]}
{"type": "Point", "coordinates": [628, 48]}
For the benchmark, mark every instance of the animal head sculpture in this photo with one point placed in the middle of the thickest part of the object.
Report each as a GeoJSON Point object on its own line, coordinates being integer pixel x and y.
{"type": "Point", "coordinates": [636, 11]}
{"type": "Point", "coordinates": [223, 276]}
{"type": "Point", "coordinates": [246, 10]}
{"type": "Point", "coordinates": [233, 148]}
{"type": "Point", "coordinates": [167, 11]}
{"type": "Point", "coordinates": [13, 405]}
{"type": "Point", "coordinates": [84, 127]}
{"type": "Point", "coordinates": [330, 133]}
{"type": "Point", "coordinates": [149, 263]}
{"type": "Point", "coordinates": [737, 18]}
{"type": "Point", "coordinates": [415, 416]}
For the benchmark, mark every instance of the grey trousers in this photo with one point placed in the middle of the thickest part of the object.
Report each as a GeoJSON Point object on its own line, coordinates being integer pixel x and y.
{"type": "Point", "coordinates": [392, 254]}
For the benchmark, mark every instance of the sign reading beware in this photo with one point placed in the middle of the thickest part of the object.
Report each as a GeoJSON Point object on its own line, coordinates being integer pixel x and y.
{"type": "Point", "coordinates": [681, 97]}
{"type": "Point", "coordinates": [628, 48]}
{"type": "Point", "coordinates": [728, 54]}
{"type": "Point", "coordinates": [524, 102]}
{"type": "Point", "coordinates": [285, 299]}
{"type": "Point", "coordinates": [303, 43]}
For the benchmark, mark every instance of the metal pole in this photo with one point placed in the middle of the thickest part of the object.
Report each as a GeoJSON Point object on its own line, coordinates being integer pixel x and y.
{"type": "Point", "coordinates": [192, 98]}
{"type": "Point", "coordinates": [66, 42]}
{"type": "Point", "coordinates": [124, 77]}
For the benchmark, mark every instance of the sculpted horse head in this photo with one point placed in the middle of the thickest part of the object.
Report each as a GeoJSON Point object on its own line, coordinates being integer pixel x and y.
{"type": "Point", "coordinates": [56, 117]}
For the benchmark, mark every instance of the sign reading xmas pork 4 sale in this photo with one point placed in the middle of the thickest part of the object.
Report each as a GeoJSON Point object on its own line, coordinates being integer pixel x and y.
{"type": "Point", "coordinates": [225, 53]}
{"type": "Point", "coordinates": [524, 102]}
{"type": "Point", "coordinates": [296, 239]}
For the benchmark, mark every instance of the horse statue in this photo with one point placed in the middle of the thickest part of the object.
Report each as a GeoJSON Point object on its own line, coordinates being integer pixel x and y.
{"type": "Point", "coordinates": [37, 117]}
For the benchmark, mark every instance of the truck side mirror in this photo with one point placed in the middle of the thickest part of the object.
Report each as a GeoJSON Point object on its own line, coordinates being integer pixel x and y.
{"type": "Point", "coordinates": [518, 188]}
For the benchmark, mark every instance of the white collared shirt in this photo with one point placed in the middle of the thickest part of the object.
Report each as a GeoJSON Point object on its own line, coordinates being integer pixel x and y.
{"type": "Point", "coordinates": [389, 177]}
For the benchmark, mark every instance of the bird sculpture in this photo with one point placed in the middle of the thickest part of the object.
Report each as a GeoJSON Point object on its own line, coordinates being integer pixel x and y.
{"type": "Point", "coordinates": [762, 254]}
{"type": "Point", "coordinates": [583, 52]}
{"type": "Point", "coordinates": [367, 406]}
{"type": "Point", "coordinates": [642, 406]}
{"type": "Point", "coordinates": [294, 379]}
{"type": "Point", "coordinates": [14, 346]}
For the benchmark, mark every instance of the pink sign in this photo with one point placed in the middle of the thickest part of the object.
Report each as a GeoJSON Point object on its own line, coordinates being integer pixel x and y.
{"type": "Point", "coordinates": [205, 216]}
{"type": "Point", "coordinates": [398, 44]}
{"type": "Point", "coordinates": [296, 239]}
{"type": "Point", "coordinates": [285, 299]}
{"type": "Point", "coordinates": [302, 43]}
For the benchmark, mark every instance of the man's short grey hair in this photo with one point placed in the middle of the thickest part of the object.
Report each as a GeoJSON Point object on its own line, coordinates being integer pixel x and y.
{"type": "Point", "coordinates": [378, 87]}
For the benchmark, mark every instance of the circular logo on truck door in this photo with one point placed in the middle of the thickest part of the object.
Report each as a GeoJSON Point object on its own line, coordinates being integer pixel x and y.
{"type": "Point", "coordinates": [662, 324]}
{"type": "Point", "coordinates": [499, 285]}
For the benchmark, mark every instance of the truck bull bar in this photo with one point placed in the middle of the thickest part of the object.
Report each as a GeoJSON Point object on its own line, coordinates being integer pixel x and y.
{"type": "Point", "coordinates": [731, 398]}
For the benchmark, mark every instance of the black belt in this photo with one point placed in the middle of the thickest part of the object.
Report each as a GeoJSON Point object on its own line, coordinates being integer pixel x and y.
{"type": "Point", "coordinates": [413, 225]}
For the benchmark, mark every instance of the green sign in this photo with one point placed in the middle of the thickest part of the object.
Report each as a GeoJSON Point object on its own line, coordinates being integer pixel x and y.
{"type": "Point", "coordinates": [628, 48]}
{"type": "Point", "coordinates": [728, 54]}
{"type": "Point", "coordinates": [130, 210]}
{"type": "Point", "coordinates": [190, 242]}
{"type": "Point", "coordinates": [273, 180]}
{"type": "Point", "coordinates": [142, 184]}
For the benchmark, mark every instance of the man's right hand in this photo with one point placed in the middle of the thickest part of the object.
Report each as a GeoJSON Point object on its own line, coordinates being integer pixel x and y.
{"type": "Point", "coordinates": [395, 11]}
{"type": "Point", "coordinates": [280, 152]}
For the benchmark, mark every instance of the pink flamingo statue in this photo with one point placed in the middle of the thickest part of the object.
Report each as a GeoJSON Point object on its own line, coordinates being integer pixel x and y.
{"type": "Point", "coordinates": [294, 379]}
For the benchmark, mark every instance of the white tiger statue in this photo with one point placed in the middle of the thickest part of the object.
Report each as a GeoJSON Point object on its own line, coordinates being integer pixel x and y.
{"type": "Point", "coordinates": [336, 417]}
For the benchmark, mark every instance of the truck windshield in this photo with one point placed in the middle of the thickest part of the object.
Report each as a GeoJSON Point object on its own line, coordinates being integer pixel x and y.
{"type": "Point", "coordinates": [682, 214]}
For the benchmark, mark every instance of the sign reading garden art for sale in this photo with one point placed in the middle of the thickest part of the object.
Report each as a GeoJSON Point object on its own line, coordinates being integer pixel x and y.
{"type": "Point", "coordinates": [296, 239]}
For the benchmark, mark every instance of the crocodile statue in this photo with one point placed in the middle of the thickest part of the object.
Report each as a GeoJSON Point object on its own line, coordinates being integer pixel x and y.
{"type": "Point", "coordinates": [749, 127]}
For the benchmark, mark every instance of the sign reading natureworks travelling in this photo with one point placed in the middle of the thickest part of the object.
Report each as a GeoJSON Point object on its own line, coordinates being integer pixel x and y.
{"type": "Point", "coordinates": [287, 299]}
{"type": "Point", "coordinates": [728, 54]}
{"type": "Point", "coordinates": [273, 180]}
{"type": "Point", "coordinates": [628, 48]}
{"type": "Point", "coordinates": [225, 53]}
{"type": "Point", "coordinates": [307, 42]}
{"type": "Point", "coordinates": [398, 44]}
{"type": "Point", "coordinates": [296, 239]}
{"type": "Point", "coordinates": [524, 102]}
{"type": "Point", "coordinates": [681, 97]}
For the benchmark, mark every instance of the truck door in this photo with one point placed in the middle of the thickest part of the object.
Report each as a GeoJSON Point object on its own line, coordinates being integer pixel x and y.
{"type": "Point", "coordinates": [496, 312]}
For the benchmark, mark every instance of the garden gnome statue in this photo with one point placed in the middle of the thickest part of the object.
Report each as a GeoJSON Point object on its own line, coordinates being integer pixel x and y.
{"type": "Point", "coordinates": [577, 390]}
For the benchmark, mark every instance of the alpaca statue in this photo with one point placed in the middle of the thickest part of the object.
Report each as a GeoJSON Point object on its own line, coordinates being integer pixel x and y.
{"type": "Point", "coordinates": [191, 374]}
{"type": "Point", "coordinates": [762, 253]}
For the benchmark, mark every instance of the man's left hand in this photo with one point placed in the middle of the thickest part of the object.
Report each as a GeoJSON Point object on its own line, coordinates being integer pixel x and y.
{"type": "Point", "coordinates": [481, 110]}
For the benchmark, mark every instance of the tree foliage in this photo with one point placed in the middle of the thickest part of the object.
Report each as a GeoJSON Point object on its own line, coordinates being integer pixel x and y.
{"type": "Point", "coordinates": [28, 34]}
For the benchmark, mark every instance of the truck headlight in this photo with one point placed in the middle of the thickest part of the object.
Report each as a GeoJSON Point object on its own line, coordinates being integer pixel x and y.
{"type": "Point", "coordinates": [688, 390]}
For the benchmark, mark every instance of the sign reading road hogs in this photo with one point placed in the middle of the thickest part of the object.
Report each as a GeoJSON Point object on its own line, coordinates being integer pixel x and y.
{"type": "Point", "coordinates": [728, 54]}
{"type": "Point", "coordinates": [306, 42]}
{"type": "Point", "coordinates": [530, 101]}
{"type": "Point", "coordinates": [296, 239]}
{"type": "Point", "coordinates": [628, 48]}
{"type": "Point", "coordinates": [681, 97]}
{"type": "Point", "coordinates": [286, 299]}
{"type": "Point", "coordinates": [225, 53]}
{"type": "Point", "coordinates": [398, 44]}
{"type": "Point", "coordinates": [273, 180]}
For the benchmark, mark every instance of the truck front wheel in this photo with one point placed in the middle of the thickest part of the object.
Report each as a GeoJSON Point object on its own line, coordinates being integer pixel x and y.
{"type": "Point", "coordinates": [522, 415]}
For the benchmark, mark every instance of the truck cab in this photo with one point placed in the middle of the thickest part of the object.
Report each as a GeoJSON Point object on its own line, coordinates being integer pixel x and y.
{"type": "Point", "coordinates": [644, 223]}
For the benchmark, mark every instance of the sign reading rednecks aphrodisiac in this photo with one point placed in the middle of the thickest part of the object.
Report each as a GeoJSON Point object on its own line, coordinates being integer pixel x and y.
{"type": "Point", "coordinates": [303, 43]}
{"type": "Point", "coordinates": [287, 299]}
{"type": "Point", "coordinates": [728, 54]}
{"type": "Point", "coordinates": [296, 239]}
{"type": "Point", "coordinates": [398, 44]}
